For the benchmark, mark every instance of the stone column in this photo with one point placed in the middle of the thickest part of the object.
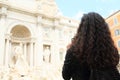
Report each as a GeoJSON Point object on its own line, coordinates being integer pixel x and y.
{"type": "Point", "coordinates": [25, 51]}
{"type": "Point", "coordinates": [31, 54]}
{"type": "Point", "coordinates": [21, 45]}
{"type": "Point", "coordinates": [6, 53]}
{"type": "Point", "coordinates": [10, 51]}
{"type": "Point", "coordinates": [55, 46]}
{"type": "Point", "coordinates": [3, 14]}
{"type": "Point", "coordinates": [39, 43]}
{"type": "Point", "coordinates": [34, 54]}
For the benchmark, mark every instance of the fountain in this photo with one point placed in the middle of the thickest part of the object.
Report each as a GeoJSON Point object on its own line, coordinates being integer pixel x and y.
{"type": "Point", "coordinates": [19, 69]}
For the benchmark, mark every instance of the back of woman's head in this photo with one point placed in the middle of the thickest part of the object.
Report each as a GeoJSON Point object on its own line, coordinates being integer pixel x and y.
{"type": "Point", "coordinates": [93, 43]}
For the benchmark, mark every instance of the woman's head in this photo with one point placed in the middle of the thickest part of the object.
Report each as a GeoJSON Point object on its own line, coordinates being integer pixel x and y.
{"type": "Point", "coordinates": [93, 43]}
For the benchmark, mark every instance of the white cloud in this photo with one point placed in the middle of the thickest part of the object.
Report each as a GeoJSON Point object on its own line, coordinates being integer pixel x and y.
{"type": "Point", "coordinates": [78, 15]}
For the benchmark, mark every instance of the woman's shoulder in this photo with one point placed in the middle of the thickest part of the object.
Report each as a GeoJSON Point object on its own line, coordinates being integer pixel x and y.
{"type": "Point", "coordinates": [72, 55]}
{"type": "Point", "coordinates": [70, 52]}
{"type": "Point", "coordinates": [71, 49]}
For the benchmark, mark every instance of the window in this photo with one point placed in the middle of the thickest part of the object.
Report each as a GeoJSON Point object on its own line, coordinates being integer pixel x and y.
{"type": "Point", "coordinates": [60, 34]}
{"type": "Point", "coordinates": [117, 32]}
{"type": "Point", "coordinates": [61, 56]}
{"type": "Point", "coordinates": [115, 21]}
{"type": "Point", "coordinates": [47, 32]}
{"type": "Point", "coordinates": [118, 43]}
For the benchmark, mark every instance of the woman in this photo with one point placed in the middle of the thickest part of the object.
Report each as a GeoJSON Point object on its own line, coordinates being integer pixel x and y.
{"type": "Point", "coordinates": [92, 48]}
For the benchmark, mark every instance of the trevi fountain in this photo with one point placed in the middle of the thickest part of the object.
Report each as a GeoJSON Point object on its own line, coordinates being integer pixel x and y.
{"type": "Point", "coordinates": [33, 39]}
{"type": "Point", "coordinates": [20, 70]}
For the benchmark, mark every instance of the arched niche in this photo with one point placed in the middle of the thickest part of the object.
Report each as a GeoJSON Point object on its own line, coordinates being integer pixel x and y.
{"type": "Point", "coordinates": [20, 31]}
{"type": "Point", "coordinates": [20, 36]}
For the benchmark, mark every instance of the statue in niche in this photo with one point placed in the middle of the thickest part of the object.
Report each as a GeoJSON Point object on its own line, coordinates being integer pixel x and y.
{"type": "Point", "coordinates": [46, 55]}
{"type": "Point", "coordinates": [19, 62]}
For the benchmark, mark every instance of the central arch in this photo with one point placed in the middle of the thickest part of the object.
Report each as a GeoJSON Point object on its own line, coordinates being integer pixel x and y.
{"type": "Point", "coordinates": [19, 36]}
{"type": "Point", "coordinates": [20, 31]}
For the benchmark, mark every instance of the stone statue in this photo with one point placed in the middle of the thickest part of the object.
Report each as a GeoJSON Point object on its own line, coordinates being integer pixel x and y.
{"type": "Point", "coordinates": [46, 55]}
{"type": "Point", "coordinates": [20, 63]}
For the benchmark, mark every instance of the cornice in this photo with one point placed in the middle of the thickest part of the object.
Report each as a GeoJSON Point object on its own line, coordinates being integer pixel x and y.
{"type": "Point", "coordinates": [113, 14]}
{"type": "Point", "coordinates": [23, 11]}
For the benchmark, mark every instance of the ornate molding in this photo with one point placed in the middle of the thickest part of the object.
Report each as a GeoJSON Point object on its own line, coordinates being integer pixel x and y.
{"type": "Point", "coordinates": [24, 40]}
{"type": "Point", "coordinates": [3, 12]}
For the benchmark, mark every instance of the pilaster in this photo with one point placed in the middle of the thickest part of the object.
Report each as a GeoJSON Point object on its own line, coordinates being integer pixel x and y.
{"type": "Point", "coordinates": [3, 14]}
{"type": "Point", "coordinates": [39, 43]}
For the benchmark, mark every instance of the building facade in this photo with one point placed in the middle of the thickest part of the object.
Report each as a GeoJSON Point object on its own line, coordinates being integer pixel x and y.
{"type": "Point", "coordinates": [33, 32]}
{"type": "Point", "coordinates": [114, 24]}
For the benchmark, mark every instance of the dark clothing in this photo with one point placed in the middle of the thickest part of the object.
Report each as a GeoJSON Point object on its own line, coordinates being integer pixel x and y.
{"type": "Point", "coordinates": [72, 69]}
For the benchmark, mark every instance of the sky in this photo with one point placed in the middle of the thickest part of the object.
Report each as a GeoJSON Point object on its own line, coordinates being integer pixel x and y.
{"type": "Point", "coordinates": [76, 8]}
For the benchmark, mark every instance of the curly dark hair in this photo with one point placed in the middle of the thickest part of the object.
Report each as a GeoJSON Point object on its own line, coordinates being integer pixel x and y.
{"type": "Point", "coordinates": [93, 43]}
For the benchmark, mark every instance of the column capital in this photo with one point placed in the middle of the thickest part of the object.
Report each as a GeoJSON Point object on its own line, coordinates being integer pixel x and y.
{"type": "Point", "coordinates": [3, 12]}
{"type": "Point", "coordinates": [39, 19]}
{"type": "Point", "coordinates": [8, 36]}
{"type": "Point", "coordinates": [33, 40]}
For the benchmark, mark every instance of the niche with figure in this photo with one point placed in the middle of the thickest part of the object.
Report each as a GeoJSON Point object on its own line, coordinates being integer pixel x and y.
{"type": "Point", "coordinates": [61, 54]}
{"type": "Point", "coordinates": [47, 53]}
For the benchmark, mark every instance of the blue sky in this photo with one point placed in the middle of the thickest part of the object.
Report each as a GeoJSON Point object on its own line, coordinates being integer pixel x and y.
{"type": "Point", "coordinates": [75, 8]}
